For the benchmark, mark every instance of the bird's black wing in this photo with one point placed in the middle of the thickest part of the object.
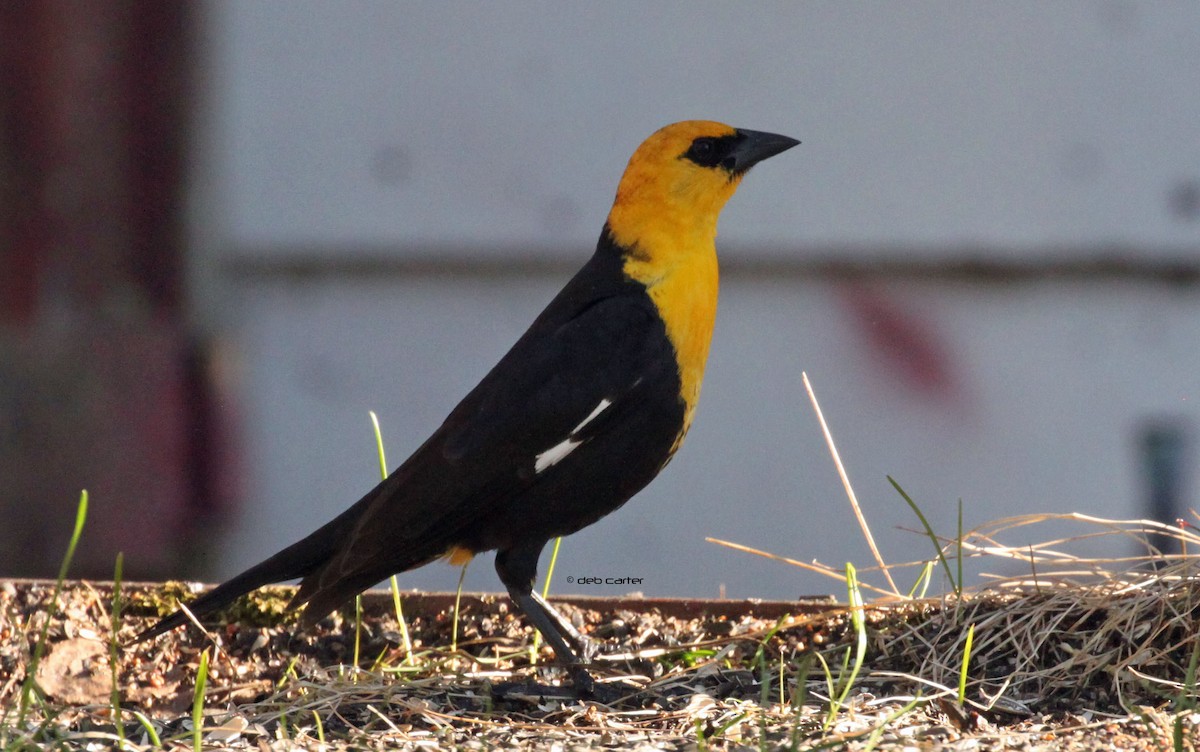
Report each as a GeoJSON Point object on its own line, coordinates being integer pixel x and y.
{"type": "Point", "coordinates": [596, 357]}
{"type": "Point", "coordinates": [599, 340]}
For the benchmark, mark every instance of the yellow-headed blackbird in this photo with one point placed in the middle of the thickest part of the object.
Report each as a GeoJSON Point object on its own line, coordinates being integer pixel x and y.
{"type": "Point", "coordinates": [584, 410]}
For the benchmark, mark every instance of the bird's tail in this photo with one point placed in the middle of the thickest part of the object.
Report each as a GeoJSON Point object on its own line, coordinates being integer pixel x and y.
{"type": "Point", "coordinates": [297, 560]}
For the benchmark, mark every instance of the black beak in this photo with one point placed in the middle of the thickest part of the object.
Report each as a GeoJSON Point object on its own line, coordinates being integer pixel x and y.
{"type": "Point", "coordinates": [755, 146]}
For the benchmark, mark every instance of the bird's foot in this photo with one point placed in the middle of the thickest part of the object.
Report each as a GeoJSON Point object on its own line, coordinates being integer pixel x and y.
{"type": "Point", "coordinates": [584, 682]}
{"type": "Point", "coordinates": [607, 693]}
{"type": "Point", "coordinates": [604, 692]}
{"type": "Point", "coordinates": [588, 648]}
{"type": "Point", "coordinates": [532, 691]}
{"type": "Point", "coordinates": [583, 686]}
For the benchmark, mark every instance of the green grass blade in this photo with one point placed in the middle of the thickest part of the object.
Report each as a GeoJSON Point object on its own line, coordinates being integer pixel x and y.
{"type": "Point", "coordinates": [799, 698]}
{"type": "Point", "coordinates": [854, 596]}
{"type": "Point", "coordinates": [395, 583]}
{"type": "Point", "coordinates": [358, 617]}
{"type": "Point", "coordinates": [720, 730]}
{"type": "Point", "coordinates": [1190, 700]}
{"type": "Point", "coordinates": [457, 600]}
{"type": "Point", "coordinates": [320, 726]}
{"type": "Point", "coordinates": [966, 662]}
{"type": "Point", "coordinates": [764, 694]}
{"type": "Point", "coordinates": [921, 586]}
{"type": "Point", "coordinates": [840, 690]}
{"type": "Point", "coordinates": [378, 664]}
{"type": "Point", "coordinates": [537, 636]}
{"type": "Point", "coordinates": [877, 733]}
{"type": "Point", "coordinates": [830, 692]}
{"type": "Point", "coordinates": [937, 546]}
{"type": "Point", "coordinates": [550, 568]}
{"type": "Point", "coordinates": [148, 727]}
{"type": "Point", "coordinates": [198, 703]}
{"type": "Point", "coordinates": [288, 673]}
{"type": "Point", "coordinates": [396, 603]}
{"type": "Point", "coordinates": [760, 665]}
{"type": "Point", "coordinates": [701, 740]}
{"type": "Point", "coordinates": [39, 650]}
{"type": "Point", "coordinates": [858, 619]}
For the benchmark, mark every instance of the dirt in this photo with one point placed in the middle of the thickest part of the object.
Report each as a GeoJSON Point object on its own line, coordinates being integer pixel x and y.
{"type": "Point", "coordinates": [677, 675]}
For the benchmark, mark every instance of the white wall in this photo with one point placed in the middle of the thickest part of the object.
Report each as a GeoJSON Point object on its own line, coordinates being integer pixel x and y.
{"type": "Point", "coordinates": [488, 125]}
{"type": "Point", "coordinates": [406, 136]}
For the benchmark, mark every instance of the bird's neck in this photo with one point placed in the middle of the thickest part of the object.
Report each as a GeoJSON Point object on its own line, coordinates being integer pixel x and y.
{"type": "Point", "coordinates": [677, 263]}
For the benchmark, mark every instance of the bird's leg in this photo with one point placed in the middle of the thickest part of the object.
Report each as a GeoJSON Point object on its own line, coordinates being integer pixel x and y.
{"type": "Point", "coordinates": [539, 614]}
{"type": "Point", "coordinates": [585, 647]}
{"type": "Point", "coordinates": [517, 568]}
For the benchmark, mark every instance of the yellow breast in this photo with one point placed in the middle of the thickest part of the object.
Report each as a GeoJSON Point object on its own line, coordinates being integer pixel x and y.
{"type": "Point", "coordinates": [686, 297]}
{"type": "Point", "coordinates": [665, 219]}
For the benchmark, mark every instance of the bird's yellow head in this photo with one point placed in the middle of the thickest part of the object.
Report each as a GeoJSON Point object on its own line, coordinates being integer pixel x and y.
{"type": "Point", "coordinates": [664, 220]}
{"type": "Point", "coordinates": [679, 179]}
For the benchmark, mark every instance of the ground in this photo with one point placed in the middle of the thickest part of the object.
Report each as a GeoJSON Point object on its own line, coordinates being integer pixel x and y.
{"type": "Point", "coordinates": [1051, 667]}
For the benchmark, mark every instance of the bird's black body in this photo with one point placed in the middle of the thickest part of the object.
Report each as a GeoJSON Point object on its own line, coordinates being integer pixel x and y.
{"type": "Point", "coordinates": [473, 484]}
{"type": "Point", "coordinates": [584, 410]}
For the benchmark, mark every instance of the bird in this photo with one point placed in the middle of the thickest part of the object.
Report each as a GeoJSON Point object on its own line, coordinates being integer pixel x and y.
{"type": "Point", "coordinates": [584, 410]}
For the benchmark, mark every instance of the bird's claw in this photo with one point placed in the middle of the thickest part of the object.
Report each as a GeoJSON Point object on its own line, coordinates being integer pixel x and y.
{"type": "Point", "coordinates": [583, 681]}
{"type": "Point", "coordinates": [583, 687]}
{"type": "Point", "coordinates": [588, 648]}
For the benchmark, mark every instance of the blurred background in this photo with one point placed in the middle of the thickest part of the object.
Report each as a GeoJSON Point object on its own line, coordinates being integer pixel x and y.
{"type": "Point", "coordinates": [228, 230]}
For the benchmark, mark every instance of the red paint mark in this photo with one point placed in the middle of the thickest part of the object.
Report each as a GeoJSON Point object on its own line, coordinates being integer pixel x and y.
{"type": "Point", "coordinates": [909, 347]}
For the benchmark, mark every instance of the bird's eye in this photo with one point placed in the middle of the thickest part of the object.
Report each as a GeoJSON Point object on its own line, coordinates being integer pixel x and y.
{"type": "Point", "coordinates": [707, 152]}
{"type": "Point", "coordinates": [701, 150]}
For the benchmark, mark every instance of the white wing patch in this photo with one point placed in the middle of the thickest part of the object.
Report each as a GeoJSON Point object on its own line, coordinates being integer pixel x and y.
{"type": "Point", "coordinates": [556, 453]}
{"type": "Point", "coordinates": [604, 403]}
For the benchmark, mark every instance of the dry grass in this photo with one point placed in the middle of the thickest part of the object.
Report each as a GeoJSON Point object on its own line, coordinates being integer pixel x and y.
{"type": "Point", "coordinates": [1110, 633]}
{"type": "Point", "coordinates": [1077, 653]}
{"type": "Point", "coordinates": [1072, 652]}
